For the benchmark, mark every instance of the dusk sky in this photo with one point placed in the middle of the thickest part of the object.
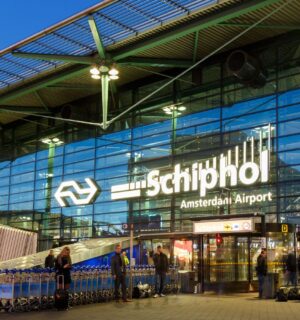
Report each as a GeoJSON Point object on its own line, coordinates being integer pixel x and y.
{"type": "Point", "coordinates": [20, 19]}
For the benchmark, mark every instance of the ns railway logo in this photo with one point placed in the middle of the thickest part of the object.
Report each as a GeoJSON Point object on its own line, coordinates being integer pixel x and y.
{"type": "Point", "coordinates": [238, 167]}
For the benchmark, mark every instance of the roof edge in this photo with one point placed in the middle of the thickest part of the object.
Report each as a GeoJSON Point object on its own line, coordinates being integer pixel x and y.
{"type": "Point", "coordinates": [54, 27]}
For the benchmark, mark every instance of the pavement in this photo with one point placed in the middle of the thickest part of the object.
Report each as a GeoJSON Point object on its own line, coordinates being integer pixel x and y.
{"type": "Point", "coordinates": [173, 307]}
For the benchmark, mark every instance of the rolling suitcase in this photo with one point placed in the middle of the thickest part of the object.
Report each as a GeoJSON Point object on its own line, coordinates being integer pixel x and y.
{"type": "Point", "coordinates": [61, 296]}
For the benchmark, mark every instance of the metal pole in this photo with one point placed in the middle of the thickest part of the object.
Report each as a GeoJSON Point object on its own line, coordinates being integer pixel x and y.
{"type": "Point", "coordinates": [131, 265]}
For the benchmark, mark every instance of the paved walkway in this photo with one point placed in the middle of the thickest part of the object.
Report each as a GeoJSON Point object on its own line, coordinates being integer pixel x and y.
{"type": "Point", "coordinates": [207, 307]}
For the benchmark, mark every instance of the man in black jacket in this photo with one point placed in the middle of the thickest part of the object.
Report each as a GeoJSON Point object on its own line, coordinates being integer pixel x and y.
{"type": "Point", "coordinates": [50, 260]}
{"type": "Point", "coordinates": [161, 268]}
{"type": "Point", "coordinates": [118, 270]}
{"type": "Point", "coordinates": [291, 268]}
{"type": "Point", "coordinates": [261, 270]}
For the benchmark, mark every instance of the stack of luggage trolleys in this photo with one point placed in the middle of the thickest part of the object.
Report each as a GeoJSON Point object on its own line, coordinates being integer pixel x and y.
{"type": "Point", "coordinates": [33, 289]}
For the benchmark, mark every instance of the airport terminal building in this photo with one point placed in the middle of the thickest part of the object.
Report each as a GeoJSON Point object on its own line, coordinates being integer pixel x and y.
{"type": "Point", "coordinates": [208, 166]}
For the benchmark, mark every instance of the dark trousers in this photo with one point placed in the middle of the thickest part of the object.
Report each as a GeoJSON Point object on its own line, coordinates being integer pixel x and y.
{"type": "Point", "coordinates": [261, 279]}
{"type": "Point", "coordinates": [160, 279]}
{"type": "Point", "coordinates": [292, 278]}
{"type": "Point", "coordinates": [120, 280]}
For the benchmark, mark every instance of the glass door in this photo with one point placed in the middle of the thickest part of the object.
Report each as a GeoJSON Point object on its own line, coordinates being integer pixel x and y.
{"type": "Point", "coordinates": [227, 261]}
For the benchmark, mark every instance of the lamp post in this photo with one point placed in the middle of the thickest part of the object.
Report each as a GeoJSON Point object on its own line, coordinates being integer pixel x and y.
{"type": "Point", "coordinates": [52, 143]}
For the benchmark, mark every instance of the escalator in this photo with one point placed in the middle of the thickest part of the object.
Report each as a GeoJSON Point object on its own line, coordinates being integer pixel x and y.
{"type": "Point", "coordinates": [80, 252]}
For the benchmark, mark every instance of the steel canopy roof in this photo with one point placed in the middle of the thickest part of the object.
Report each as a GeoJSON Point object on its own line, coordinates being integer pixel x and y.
{"type": "Point", "coordinates": [138, 31]}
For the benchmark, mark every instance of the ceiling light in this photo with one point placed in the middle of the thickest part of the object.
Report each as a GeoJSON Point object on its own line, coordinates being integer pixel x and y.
{"type": "Point", "coordinates": [113, 77]}
{"type": "Point", "coordinates": [95, 71]}
{"type": "Point", "coordinates": [55, 139]}
{"type": "Point", "coordinates": [95, 76]}
{"type": "Point", "coordinates": [46, 140]}
{"type": "Point", "coordinates": [113, 72]}
{"type": "Point", "coordinates": [182, 108]}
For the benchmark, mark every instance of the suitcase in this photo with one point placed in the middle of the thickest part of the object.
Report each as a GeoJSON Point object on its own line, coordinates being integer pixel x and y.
{"type": "Point", "coordinates": [61, 296]}
{"type": "Point", "coordinates": [282, 294]}
{"type": "Point", "coordinates": [141, 291]}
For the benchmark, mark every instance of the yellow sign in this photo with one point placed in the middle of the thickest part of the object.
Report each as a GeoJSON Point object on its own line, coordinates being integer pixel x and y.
{"type": "Point", "coordinates": [284, 228]}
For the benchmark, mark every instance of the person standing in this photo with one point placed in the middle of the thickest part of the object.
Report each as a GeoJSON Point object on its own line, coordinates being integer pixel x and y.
{"type": "Point", "coordinates": [161, 268]}
{"type": "Point", "coordinates": [126, 260]}
{"type": "Point", "coordinates": [63, 266]}
{"type": "Point", "coordinates": [291, 269]}
{"type": "Point", "coordinates": [118, 271]}
{"type": "Point", "coordinates": [50, 260]}
{"type": "Point", "coordinates": [261, 270]}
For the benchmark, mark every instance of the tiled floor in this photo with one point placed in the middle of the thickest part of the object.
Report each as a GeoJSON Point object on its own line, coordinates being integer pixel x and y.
{"type": "Point", "coordinates": [206, 307]}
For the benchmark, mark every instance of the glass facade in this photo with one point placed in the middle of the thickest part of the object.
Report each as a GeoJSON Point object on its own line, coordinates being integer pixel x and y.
{"type": "Point", "coordinates": [185, 124]}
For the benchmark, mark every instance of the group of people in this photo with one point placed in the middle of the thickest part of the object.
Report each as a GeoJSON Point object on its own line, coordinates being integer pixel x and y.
{"type": "Point", "coordinates": [119, 262]}
{"type": "Point", "coordinates": [118, 270]}
{"type": "Point", "coordinates": [290, 268]}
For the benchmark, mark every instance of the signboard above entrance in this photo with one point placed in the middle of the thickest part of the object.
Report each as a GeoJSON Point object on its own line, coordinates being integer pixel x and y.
{"type": "Point", "coordinates": [224, 226]}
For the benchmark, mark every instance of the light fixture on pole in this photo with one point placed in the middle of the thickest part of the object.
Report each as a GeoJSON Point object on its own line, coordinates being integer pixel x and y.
{"type": "Point", "coordinates": [98, 72]}
{"type": "Point", "coordinates": [52, 141]}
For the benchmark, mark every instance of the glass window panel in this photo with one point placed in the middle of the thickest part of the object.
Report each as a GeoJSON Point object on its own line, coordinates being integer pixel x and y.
{"type": "Point", "coordinates": [22, 187]}
{"type": "Point", "coordinates": [152, 129]}
{"type": "Point", "coordinates": [77, 210]}
{"type": "Point", "coordinates": [287, 113]}
{"type": "Point", "coordinates": [115, 218]}
{"type": "Point", "coordinates": [254, 105]}
{"type": "Point", "coordinates": [289, 97]}
{"type": "Point", "coordinates": [25, 167]}
{"type": "Point", "coordinates": [115, 137]}
{"type": "Point", "coordinates": [80, 156]}
{"type": "Point", "coordinates": [257, 119]}
{"type": "Point", "coordinates": [80, 145]}
{"type": "Point", "coordinates": [4, 190]}
{"type": "Point", "coordinates": [24, 159]}
{"type": "Point", "coordinates": [4, 181]}
{"type": "Point", "coordinates": [289, 173]}
{"type": "Point", "coordinates": [44, 154]}
{"type": "Point", "coordinates": [287, 143]}
{"type": "Point", "coordinates": [198, 118]}
{"type": "Point", "coordinates": [289, 157]}
{"type": "Point", "coordinates": [21, 206]}
{"type": "Point", "coordinates": [5, 171]}
{"type": "Point", "coordinates": [3, 200]}
{"type": "Point", "coordinates": [117, 148]}
{"type": "Point", "coordinates": [42, 164]}
{"type": "Point", "coordinates": [114, 172]}
{"type": "Point", "coordinates": [43, 174]}
{"type": "Point", "coordinates": [79, 176]}
{"type": "Point", "coordinates": [19, 197]}
{"type": "Point", "coordinates": [4, 164]}
{"type": "Point", "coordinates": [79, 167]}
{"type": "Point", "coordinates": [114, 206]}
{"type": "Point", "coordinates": [107, 162]}
{"type": "Point", "coordinates": [22, 178]}
{"type": "Point", "coordinates": [289, 127]}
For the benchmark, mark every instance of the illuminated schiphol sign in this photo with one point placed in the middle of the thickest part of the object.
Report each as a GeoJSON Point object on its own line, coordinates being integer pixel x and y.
{"type": "Point", "coordinates": [223, 172]}
{"type": "Point", "coordinates": [239, 166]}
{"type": "Point", "coordinates": [72, 190]}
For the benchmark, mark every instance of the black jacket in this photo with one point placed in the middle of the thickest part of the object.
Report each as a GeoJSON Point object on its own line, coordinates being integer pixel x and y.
{"type": "Point", "coordinates": [291, 264]}
{"type": "Point", "coordinates": [261, 267]}
{"type": "Point", "coordinates": [161, 263]}
{"type": "Point", "coordinates": [50, 261]}
{"type": "Point", "coordinates": [118, 266]}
